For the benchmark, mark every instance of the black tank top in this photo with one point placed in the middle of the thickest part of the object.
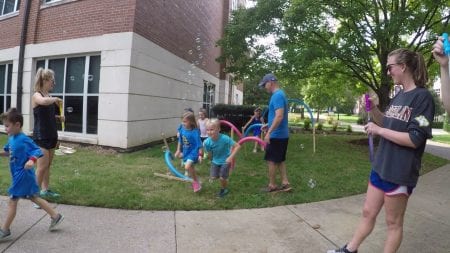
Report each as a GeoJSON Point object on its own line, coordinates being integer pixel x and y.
{"type": "Point", "coordinates": [44, 122]}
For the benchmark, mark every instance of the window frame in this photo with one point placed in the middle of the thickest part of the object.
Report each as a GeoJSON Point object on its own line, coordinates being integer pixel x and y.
{"type": "Point", "coordinates": [8, 71]}
{"type": "Point", "coordinates": [85, 94]}
{"type": "Point", "coordinates": [16, 8]}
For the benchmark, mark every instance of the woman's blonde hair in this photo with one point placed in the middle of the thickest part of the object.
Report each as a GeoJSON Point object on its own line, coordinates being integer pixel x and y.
{"type": "Point", "coordinates": [41, 76]}
{"type": "Point", "coordinates": [190, 117]}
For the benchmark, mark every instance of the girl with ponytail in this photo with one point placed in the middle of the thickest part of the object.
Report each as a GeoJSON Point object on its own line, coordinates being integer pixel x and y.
{"type": "Point", "coordinates": [403, 130]}
{"type": "Point", "coordinates": [45, 133]}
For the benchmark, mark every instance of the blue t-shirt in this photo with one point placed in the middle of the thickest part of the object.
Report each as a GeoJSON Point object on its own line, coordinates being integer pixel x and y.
{"type": "Point", "coordinates": [21, 148]}
{"type": "Point", "coordinates": [278, 101]}
{"type": "Point", "coordinates": [190, 143]}
{"type": "Point", "coordinates": [220, 148]}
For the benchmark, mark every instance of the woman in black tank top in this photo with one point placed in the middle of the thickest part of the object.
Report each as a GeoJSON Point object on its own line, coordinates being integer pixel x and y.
{"type": "Point", "coordinates": [45, 133]}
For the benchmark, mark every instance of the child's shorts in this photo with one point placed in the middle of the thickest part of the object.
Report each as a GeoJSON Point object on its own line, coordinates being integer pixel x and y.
{"type": "Point", "coordinates": [389, 189]}
{"type": "Point", "coordinates": [47, 143]}
{"type": "Point", "coordinates": [15, 197]}
{"type": "Point", "coordinates": [220, 170]}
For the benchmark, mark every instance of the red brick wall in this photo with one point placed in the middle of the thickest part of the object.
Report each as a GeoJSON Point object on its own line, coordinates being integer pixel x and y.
{"type": "Point", "coordinates": [188, 29]}
{"type": "Point", "coordinates": [68, 21]}
{"type": "Point", "coordinates": [10, 32]}
{"type": "Point", "coordinates": [84, 19]}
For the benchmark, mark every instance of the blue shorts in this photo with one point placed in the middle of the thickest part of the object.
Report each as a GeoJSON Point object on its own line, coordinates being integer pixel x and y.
{"type": "Point", "coordinates": [389, 189]}
{"type": "Point", "coordinates": [221, 171]}
{"type": "Point", "coordinates": [15, 197]}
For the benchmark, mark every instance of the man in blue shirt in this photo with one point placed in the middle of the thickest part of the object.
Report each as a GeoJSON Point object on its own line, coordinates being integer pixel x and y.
{"type": "Point", "coordinates": [277, 133]}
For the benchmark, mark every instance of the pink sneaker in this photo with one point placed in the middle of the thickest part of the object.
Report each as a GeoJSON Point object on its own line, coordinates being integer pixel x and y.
{"type": "Point", "coordinates": [196, 186]}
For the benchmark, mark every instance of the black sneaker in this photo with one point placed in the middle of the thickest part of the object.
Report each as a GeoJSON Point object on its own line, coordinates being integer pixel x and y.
{"type": "Point", "coordinates": [223, 192]}
{"type": "Point", "coordinates": [342, 250]}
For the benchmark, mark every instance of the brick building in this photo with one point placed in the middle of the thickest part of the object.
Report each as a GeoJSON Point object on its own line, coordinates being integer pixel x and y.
{"type": "Point", "coordinates": [125, 69]}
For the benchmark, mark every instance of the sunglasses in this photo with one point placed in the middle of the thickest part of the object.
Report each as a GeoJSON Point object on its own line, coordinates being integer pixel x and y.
{"type": "Point", "coordinates": [389, 66]}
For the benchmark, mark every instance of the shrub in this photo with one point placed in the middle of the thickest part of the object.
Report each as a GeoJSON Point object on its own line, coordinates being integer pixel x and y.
{"type": "Point", "coordinates": [307, 124]}
{"type": "Point", "coordinates": [349, 129]}
{"type": "Point", "coordinates": [360, 121]}
{"type": "Point", "coordinates": [319, 126]}
{"type": "Point", "coordinates": [439, 125]}
{"type": "Point", "coordinates": [446, 125]}
{"type": "Point", "coordinates": [335, 126]}
{"type": "Point", "coordinates": [238, 115]}
{"type": "Point", "coordinates": [330, 120]}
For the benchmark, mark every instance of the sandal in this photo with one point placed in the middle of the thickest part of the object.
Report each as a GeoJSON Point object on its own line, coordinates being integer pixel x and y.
{"type": "Point", "coordinates": [285, 188]}
{"type": "Point", "coordinates": [269, 189]}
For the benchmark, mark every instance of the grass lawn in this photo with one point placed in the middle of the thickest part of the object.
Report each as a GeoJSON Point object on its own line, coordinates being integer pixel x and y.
{"type": "Point", "coordinates": [97, 177]}
{"type": "Point", "coordinates": [442, 138]}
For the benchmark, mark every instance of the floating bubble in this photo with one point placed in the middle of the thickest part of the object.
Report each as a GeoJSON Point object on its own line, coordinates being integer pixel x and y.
{"type": "Point", "coordinates": [196, 62]}
{"type": "Point", "coordinates": [190, 51]}
{"type": "Point", "coordinates": [200, 56]}
{"type": "Point", "coordinates": [198, 40]}
{"type": "Point", "coordinates": [312, 183]}
{"type": "Point", "coordinates": [189, 73]}
{"type": "Point", "coordinates": [217, 74]}
{"type": "Point", "coordinates": [199, 48]}
{"type": "Point", "coordinates": [302, 146]}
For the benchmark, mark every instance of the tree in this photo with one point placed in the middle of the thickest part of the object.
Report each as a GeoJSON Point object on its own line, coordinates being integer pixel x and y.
{"type": "Point", "coordinates": [357, 35]}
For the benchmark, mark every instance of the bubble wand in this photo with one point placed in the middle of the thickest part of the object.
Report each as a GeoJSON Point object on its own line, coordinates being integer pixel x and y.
{"type": "Point", "coordinates": [61, 115]}
{"type": "Point", "coordinates": [368, 105]}
{"type": "Point", "coordinates": [446, 44]}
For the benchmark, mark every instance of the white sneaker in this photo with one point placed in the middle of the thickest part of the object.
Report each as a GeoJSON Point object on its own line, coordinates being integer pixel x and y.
{"type": "Point", "coordinates": [36, 206]}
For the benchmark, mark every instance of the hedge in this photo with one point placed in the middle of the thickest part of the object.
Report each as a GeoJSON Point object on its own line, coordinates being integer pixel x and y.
{"type": "Point", "coordinates": [238, 115]}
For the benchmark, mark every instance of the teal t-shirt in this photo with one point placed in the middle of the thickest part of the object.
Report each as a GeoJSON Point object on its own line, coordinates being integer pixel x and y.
{"type": "Point", "coordinates": [220, 148]}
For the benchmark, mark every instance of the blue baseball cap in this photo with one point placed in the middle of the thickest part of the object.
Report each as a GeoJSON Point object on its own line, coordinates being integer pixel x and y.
{"type": "Point", "coordinates": [267, 78]}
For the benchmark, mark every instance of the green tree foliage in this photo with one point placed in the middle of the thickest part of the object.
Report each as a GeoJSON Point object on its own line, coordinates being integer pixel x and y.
{"type": "Point", "coordinates": [351, 38]}
{"type": "Point", "coordinates": [439, 107]}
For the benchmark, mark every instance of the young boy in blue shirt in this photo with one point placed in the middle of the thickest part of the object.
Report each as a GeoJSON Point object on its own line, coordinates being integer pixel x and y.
{"type": "Point", "coordinates": [23, 154]}
{"type": "Point", "coordinates": [221, 149]}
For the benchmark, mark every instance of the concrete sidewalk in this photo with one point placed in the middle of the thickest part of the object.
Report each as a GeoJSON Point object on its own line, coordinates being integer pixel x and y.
{"type": "Point", "coordinates": [313, 227]}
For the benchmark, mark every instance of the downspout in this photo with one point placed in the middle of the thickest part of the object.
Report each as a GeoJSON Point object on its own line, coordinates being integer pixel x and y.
{"type": "Point", "coordinates": [23, 40]}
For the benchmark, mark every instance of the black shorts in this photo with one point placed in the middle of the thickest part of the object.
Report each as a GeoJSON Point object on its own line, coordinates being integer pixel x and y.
{"type": "Point", "coordinates": [276, 150]}
{"type": "Point", "coordinates": [47, 143]}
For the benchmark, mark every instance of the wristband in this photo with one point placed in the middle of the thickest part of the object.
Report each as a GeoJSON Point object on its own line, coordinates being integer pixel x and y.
{"type": "Point", "coordinates": [34, 159]}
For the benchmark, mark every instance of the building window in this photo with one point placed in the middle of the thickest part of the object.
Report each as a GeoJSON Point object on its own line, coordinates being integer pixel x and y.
{"type": "Point", "coordinates": [51, 1]}
{"type": "Point", "coordinates": [209, 90]}
{"type": "Point", "coordinates": [5, 87]}
{"type": "Point", "coordinates": [9, 6]}
{"type": "Point", "coordinates": [77, 83]}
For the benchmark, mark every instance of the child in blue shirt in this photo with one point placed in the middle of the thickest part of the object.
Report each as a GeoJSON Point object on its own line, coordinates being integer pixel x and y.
{"type": "Point", "coordinates": [23, 154]}
{"type": "Point", "coordinates": [190, 147]}
{"type": "Point", "coordinates": [222, 150]}
{"type": "Point", "coordinates": [255, 119]}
